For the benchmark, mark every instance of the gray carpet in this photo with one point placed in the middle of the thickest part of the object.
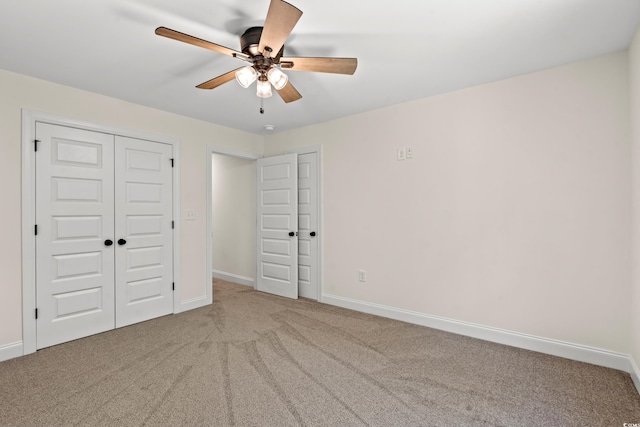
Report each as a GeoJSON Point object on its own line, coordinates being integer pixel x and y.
{"type": "Point", "coordinates": [254, 359]}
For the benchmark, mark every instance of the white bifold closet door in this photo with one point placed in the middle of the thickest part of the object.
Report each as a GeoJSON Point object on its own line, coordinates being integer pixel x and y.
{"type": "Point", "coordinates": [104, 238]}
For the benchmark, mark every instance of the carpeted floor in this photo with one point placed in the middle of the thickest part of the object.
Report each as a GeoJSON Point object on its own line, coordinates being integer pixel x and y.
{"type": "Point", "coordinates": [253, 359]}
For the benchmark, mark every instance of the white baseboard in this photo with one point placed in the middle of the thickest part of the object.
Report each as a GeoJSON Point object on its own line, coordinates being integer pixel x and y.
{"type": "Point", "coordinates": [635, 373]}
{"type": "Point", "coordinates": [233, 278]}
{"type": "Point", "coordinates": [9, 351]}
{"type": "Point", "coordinates": [567, 350]}
{"type": "Point", "coordinates": [194, 303]}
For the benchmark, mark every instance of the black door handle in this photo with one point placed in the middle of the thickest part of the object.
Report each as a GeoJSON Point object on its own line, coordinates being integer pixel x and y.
{"type": "Point", "coordinates": [312, 234]}
{"type": "Point", "coordinates": [108, 242]}
{"type": "Point", "coordinates": [122, 242]}
{"type": "Point", "coordinates": [291, 234]}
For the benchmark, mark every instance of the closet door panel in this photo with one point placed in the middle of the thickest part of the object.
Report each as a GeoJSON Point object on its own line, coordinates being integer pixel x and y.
{"type": "Point", "coordinates": [75, 224]}
{"type": "Point", "coordinates": [144, 252]}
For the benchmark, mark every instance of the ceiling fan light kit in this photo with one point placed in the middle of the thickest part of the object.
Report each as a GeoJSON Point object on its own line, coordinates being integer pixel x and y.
{"type": "Point", "coordinates": [277, 78]}
{"type": "Point", "coordinates": [263, 88]}
{"type": "Point", "coordinates": [258, 45]}
{"type": "Point", "coordinates": [245, 76]}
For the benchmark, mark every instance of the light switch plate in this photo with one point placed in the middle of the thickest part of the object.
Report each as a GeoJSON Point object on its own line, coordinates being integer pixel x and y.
{"type": "Point", "coordinates": [191, 215]}
{"type": "Point", "coordinates": [362, 276]}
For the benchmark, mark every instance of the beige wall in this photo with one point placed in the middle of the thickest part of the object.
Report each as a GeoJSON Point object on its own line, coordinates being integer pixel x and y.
{"type": "Point", "coordinates": [514, 213]}
{"type": "Point", "coordinates": [233, 215]}
{"type": "Point", "coordinates": [634, 73]}
{"type": "Point", "coordinates": [18, 92]}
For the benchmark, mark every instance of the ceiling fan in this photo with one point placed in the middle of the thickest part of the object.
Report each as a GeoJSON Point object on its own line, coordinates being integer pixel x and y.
{"type": "Point", "coordinates": [263, 48]}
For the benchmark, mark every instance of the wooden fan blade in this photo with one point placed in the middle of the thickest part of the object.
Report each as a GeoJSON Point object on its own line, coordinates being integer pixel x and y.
{"type": "Point", "coordinates": [289, 93]}
{"type": "Point", "coordinates": [322, 65]}
{"type": "Point", "coordinates": [186, 38]}
{"type": "Point", "coordinates": [281, 18]}
{"type": "Point", "coordinates": [220, 80]}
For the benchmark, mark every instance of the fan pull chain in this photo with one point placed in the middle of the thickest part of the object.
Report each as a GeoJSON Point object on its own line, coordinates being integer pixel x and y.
{"type": "Point", "coordinates": [261, 105]}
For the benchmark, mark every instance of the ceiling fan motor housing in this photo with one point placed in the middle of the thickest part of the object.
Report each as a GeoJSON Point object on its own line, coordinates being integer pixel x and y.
{"type": "Point", "coordinates": [249, 41]}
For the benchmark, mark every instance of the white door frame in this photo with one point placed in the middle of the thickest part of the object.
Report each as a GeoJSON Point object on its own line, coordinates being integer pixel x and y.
{"type": "Point", "coordinates": [211, 150]}
{"type": "Point", "coordinates": [318, 150]}
{"type": "Point", "coordinates": [29, 119]}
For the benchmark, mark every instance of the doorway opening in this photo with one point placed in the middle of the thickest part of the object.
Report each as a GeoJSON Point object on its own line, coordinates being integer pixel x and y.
{"type": "Point", "coordinates": [233, 223]}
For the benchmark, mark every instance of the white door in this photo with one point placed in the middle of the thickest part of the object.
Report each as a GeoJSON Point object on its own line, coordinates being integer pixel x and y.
{"type": "Point", "coordinates": [144, 243]}
{"type": "Point", "coordinates": [104, 242]}
{"type": "Point", "coordinates": [308, 225]}
{"type": "Point", "coordinates": [277, 213]}
{"type": "Point", "coordinates": [75, 234]}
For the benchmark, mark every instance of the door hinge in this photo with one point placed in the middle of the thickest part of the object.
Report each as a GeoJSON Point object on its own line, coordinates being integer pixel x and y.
{"type": "Point", "coordinates": [36, 229]}
{"type": "Point", "coordinates": [173, 286]}
{"type": "Point", "coordinates": [171, 162]}
{"type": "Point", "coordinates": [173, 224]}
{"type": "Point", "coordinates": [35, 144]}
{"type": "Point", "coordinates": [36, 314]}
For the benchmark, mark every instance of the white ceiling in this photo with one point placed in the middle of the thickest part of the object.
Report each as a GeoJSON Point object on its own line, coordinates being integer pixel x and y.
{"type": "Point", "coordinates": [406, 49]}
